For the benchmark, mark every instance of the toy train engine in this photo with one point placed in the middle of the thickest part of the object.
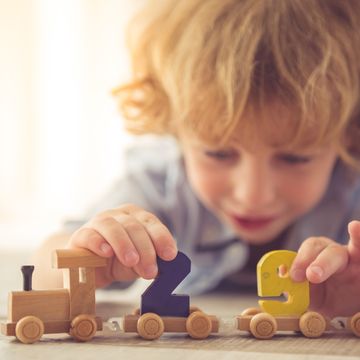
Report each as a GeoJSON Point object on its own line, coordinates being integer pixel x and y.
{"type": "Point", "coordinates": [32, 313]}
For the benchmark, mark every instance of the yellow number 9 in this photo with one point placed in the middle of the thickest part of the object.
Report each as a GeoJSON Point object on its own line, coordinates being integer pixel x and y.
{"type": "Point", "coordinates": [273, 280]}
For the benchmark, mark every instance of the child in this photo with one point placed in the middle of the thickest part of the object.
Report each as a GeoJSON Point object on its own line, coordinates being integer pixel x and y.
{"type": "Point", "coordinates": [262, 98]}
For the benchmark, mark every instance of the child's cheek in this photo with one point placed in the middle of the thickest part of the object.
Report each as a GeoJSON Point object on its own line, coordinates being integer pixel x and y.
{"type": "Point", "coordinates": [210, 187]}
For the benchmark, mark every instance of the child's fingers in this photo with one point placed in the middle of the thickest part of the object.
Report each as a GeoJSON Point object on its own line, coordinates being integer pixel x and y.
{"type": "Point", "coordinates": [89, 238]}
{"type": "Point", "coordinates": [354, 242]}
{"type": "Point", "coordinates": [123, 236]}
{"type": "Point", "coordinates": [333, 259]}
{"type": "Point", "coordinates": [115, 272]}
{"type": "Point", "coordinates": [140, 238]}
{"type": "Point", "coordinates": [307, 253]}
{"type": "Point", "coordinates": [133, 234]}
{"type": "Point", "coordinates": [112, 233]}
{"type": "Point", "coordinates": [118, 237]}
{"type": "Point", "coordinates": [161, 237]}
{"type": "Point", "coordinates": [120, 272]}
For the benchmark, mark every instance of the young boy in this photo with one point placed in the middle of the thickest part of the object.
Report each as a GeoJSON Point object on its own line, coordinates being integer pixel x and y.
{"type": "Point", "coordinates": [263, 100]}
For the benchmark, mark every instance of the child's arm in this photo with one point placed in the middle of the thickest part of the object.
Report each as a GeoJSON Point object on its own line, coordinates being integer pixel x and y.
{"type": "Point", "coordinates": [128, 235]}
{"type": "Point", "coordinates": [333, 271]}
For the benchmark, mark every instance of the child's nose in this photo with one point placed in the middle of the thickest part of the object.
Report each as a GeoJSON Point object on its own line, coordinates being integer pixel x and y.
{"type": "Point", "coordinates": [254, 186]}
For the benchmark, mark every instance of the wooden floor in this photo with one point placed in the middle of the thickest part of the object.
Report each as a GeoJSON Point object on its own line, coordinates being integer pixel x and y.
{"type": "Point", "coordinates": [115, 345]}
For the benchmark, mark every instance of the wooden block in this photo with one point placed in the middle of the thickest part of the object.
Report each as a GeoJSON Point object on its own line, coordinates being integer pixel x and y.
{"type": "Point", "coordinates": [310, 323]}
{"type": "Point", "coordinates": [54, 327]}
{"type": "Point", "coordinates": [158, 298]}
{"type": "Point", "coordinates": [214, 323]}
{"type": "Point", "coordinates": [130, 322]}
{"type": "Point", "coordinates": [243, 322]}
{"type": "Point", "coordinates": [287, 323]}
{"type": "Point", "coordinates": [171, 323]}
{"type": "Point", "coordinates": [271, 283]}
{"type": "Point", "coordinates": [174, 324]}
{"type": "Point", "coordinates": [51, 327]}
{"type": "Point", "coordinates": [45, 304]}
{"type": "Point", "coordinates": [76, 258]}
{"type": "Point", "coordinates": [8, 329]}
{"type": "Point", "coordinates": [81, 286]}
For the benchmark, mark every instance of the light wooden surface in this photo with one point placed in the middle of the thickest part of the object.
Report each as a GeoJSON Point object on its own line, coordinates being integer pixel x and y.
{"type": "Point", "coordinates": [111, 345]}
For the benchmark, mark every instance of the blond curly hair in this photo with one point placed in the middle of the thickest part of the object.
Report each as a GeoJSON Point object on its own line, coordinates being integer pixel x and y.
{"type": "Point", "coordinates": [204, 65]}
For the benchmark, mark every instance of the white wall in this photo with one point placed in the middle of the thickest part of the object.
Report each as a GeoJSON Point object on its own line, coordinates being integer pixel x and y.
{"type": "Point", "coordinates": [60, 132]}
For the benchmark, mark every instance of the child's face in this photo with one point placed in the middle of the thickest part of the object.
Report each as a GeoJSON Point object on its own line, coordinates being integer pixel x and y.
{"type": "Point", "coordinates": [260, 191]}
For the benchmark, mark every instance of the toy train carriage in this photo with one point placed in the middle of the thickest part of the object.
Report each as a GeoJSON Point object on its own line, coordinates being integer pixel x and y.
{"type": "Point", "coordinates": [291, 315]}
{"type": "Point", "coordinates": [263, 325]}
{"type": "Point", "coordinates": [31, 313]}
{"type": "Point", "coordinates": [151, 326]}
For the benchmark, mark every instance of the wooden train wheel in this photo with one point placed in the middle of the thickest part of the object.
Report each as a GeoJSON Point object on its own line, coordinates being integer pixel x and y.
{"type": "Point", "coordinates": [263, 326]}
{"type": "Point", "coordinates": [150, 326]}
{"type": "Point", "coordinates": [251, 311]}
{"type": "Point", "coordinates": [312, 324]}
{"type": "Point", "coordinates": [198, 325]}
{"type": "Point", "coordinates": [29, 329]}
{"type": "Point", "coordinates": [355, 324]}
{"type": "Point", "coordinates": [83, 327]}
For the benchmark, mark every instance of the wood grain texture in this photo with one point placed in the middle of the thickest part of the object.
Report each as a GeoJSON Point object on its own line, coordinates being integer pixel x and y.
{"type": "Point", "coordinates": [76, 258]}
{"type": "Point", "coordinates": [172, 324]}
{"type": "Point", "coordinates": [45, 304]}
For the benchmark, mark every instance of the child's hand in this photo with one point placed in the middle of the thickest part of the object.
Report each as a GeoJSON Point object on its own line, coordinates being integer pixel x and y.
{"type": "Point", "coordinates": [131, 237]}
{"type": "Point", "coordinates": [333, 271]}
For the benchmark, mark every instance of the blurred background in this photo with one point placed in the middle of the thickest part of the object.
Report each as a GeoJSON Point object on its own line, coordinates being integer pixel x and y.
{"type": "Point", "coordinates": [61, 135]}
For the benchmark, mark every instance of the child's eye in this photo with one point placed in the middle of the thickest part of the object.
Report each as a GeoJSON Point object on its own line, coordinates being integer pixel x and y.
{"type": "Point", "coordinates": [294, 159]}
{"type": "Point", "coordinates": [220, 154]}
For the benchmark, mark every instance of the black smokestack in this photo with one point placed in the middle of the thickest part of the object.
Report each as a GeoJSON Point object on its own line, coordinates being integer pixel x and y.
{"type": "Point", "coordinates": [27, 271]}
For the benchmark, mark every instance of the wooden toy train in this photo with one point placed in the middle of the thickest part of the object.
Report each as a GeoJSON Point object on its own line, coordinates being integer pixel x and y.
{"type": "Point", "coordinates": [32, 313]}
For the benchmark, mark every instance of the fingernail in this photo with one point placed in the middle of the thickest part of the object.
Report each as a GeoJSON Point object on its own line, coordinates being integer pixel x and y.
{"type": "Point", "coordinates": [150, 271]}
{"type": "Point", "coordinates": [298, 275]}
{"type": "Point", "coordinates": [131, 257]}
{"type": "Point", "coordinates": [105, 247]}
{"type": "Point", "coordinates": [169, 253]}
{"type": "Point", "coordinates": [317, 270]}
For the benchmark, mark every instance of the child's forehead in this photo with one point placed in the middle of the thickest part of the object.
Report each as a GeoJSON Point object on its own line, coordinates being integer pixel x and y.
{"type": "Point", "coordinates": [252, 143]}
{"type": "Point", "coordinates": [257, 143]}
{"type": "Point", "coordinates": [273, 125]}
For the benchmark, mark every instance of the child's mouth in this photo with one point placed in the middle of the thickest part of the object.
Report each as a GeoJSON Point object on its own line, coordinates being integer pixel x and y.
{"type": "Point", "coordinates": [253, 223]}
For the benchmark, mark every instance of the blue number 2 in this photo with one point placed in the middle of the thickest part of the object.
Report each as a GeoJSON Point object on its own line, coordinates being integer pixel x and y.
{"type": "Point", "coordinates": [158, 298]}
